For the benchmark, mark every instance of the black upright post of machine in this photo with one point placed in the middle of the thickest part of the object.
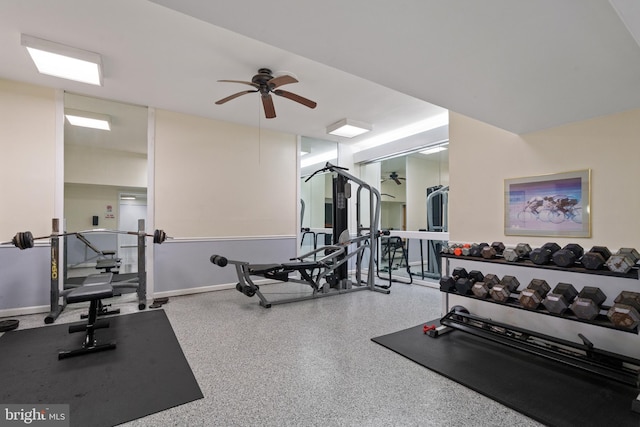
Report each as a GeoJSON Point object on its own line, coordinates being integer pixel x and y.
{"type": "Point", "coordinates": [142, 266]}
{"type": "Point", "coordinates": [341, 194]}
{"type": "Point", "coordinates": [55, 307]}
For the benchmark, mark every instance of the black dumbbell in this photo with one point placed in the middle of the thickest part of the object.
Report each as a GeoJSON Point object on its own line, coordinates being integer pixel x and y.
{"type": "Point", "coordinates": [543, 254]}
{"type": "Point", "coordinates": [496, 248]}
{"type": "Point", "coordinates": [595, 258]}
{"type": "Point", "coordinates": [448, 283]}
{"type": "Point", "coordinates": [521, 251]}
{"type": "Point", "coordinates": [587, 303]}
{"type": "Point", "coordinates": [623, 260]}
{"type": "Point", "coordinates": [532, 296]}
{"type": "Point", "coordinates": [558, 300]}
{"type": "Point", "coordinates": [567, 256]}
{"type": "Point", "coordinates": [476, 250]}
{"type": "Point", "coordinates": [481, 289]}
{"type": "Point", "coordinates": [502, 291]}
{"type": "Point", "coordinates": [464, 284]}
{"type": "Point", "coordinates": [625, 312]}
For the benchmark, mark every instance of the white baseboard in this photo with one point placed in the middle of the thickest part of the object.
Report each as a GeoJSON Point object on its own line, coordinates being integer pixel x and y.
{"type": "Point", "coordinates": [21, 311]}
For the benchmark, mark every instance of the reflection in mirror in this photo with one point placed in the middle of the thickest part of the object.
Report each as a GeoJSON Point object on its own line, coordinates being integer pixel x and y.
{"type": "Point", "coordinates": [105, 182]}
{"type": "Point", "coordinates": [406, 181]}
{"type": "Point", "coordinates": [316, 194]}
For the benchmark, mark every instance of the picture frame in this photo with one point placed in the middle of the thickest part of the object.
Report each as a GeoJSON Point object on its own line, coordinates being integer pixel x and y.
{"type": "Point", "coordinates": [553, 205]}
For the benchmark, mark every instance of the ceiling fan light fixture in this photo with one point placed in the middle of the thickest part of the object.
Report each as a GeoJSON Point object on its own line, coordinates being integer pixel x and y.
{"type": "Point", "coordinates": [348, 128]}
{"type": "Point", "coordinates": [63, 61]}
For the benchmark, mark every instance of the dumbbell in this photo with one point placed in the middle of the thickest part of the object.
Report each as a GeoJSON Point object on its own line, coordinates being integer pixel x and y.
{"type": "Point", "coordinates": [558, 300]}
{"type": "Point", "coordinates": [496, 248]}
{"type": "Point", "coordinates": [502, 291]}
{"type": "Point", "coordinates": [532, 296]}
{"type": "Point", "coordinates": [595, 258]}
{"type": "Point", "coordinates": [461, 249]}
{"type": "Point", "coordinates": [625, 312]}
{"type": "Point", "coordinates": [521, 250]}
{"type": "Point", "coordinates": [567, 256]}
{"type": "Point", "coordinates": [623, 260]}
{"type": "Point", "coordinates": [481, 289]}
{"type": "Point", "coordinates": [464, 284]}
{"type": "Point", "coordinates": [448, 283]}
{"type": "Point", "coordinates": [587, 303]}
{"type": "Point", "coordinates": [543, 254]}
{"type": "Point", "coordinates": [476, 250]}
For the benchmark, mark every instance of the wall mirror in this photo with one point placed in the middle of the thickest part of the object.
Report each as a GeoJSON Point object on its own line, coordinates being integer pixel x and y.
{"type": "Point", "coordinates": [406, 183]}
{"type": "Point", "coordinates": [316, 194]}
{"type": "Point", "coordinates": [105, 180]}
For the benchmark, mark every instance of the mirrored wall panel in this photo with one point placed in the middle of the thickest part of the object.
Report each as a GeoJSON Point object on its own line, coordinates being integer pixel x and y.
{"type": "Point", "coordinates": [105, 176]}
{"type": "Point", "coordinates": [316, 193]}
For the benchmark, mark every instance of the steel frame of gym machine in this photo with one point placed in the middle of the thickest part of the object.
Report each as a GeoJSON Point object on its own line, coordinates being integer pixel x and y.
{"type": "Point", "coordinates": [334, 266]}
{"type": "Point", "coordinates": [139, 283]}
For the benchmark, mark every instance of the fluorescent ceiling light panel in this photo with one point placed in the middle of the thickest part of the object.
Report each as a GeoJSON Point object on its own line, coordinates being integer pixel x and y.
{"type": "Point", "coordinates": [88, 120]}
{"type": "Point", "coordinates": [127, 197]}
{"type": "Point", "coordinates": [348, 128]}
{"type": "Point", "coordinates": [403, 132]}
{"type": "Point", "coordinates": [319, 158]}
{"type": "Point", "coordinates": [434, 150]}
{"type": "Point", "coordinates": [67, 62]}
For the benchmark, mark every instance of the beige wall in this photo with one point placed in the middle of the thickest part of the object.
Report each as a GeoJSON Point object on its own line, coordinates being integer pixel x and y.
{"type": "Point", "coordinates": [82, 202]}
{"type": "Point", "coordinates": [217, 179]}
{"type": "Point", "coordinates": [27, 143]}
{"type": "Point", "coordinates": [482, 156]}
{"type": "Point", "coordinates": [91, 165]}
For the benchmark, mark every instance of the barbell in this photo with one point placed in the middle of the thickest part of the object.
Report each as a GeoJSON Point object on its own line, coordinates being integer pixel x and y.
{"type": "Point", "coordinates": [25, 239]}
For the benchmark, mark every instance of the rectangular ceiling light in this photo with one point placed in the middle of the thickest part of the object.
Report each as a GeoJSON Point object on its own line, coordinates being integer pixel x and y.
{"type": "Point", "coordinates": [432, 150]}
{"type": "Point", "coordinates": [348, 128]}
{"type": "Point", "coordinates": [67, 62]}
{"type": "Point", "coordinates": [87, 119]}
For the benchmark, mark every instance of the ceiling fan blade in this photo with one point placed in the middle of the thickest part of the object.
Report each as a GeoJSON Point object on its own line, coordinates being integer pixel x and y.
{"type": "Point", "coordinates": [397, 181]}
{"type": "Point", "coordinates": [281, 80]}
{"type": "Point", "coordinates": [269, 109]}
{"type": "Point", "coordinates": [292, 96]}
{"type": "Point", "coordinates": [234, 96]}
{"type": "Point", "coordinates": [241, 81]}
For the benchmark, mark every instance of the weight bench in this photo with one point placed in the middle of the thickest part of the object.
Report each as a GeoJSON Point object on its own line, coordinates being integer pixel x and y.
{"type": "Point", "coordinates": [107, 264]}
{"type": "Point", "coordinates": [94, 288]}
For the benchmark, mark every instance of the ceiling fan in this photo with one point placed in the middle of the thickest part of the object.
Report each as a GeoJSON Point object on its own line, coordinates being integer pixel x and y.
{"type": "Point", "coordinates": [395, 177]}
{"type": "Point", "coordinates": [266, 84]}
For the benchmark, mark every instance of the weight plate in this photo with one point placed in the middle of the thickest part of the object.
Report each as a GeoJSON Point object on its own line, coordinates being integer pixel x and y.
{"type": "Point", "coordinates": [8, 325]}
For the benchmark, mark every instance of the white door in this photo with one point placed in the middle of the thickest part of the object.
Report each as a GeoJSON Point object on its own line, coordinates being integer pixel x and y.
{"type": "Point", "coordinates": [130, 212]}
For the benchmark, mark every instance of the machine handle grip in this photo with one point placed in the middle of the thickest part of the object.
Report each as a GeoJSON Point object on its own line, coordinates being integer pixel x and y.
{"type": "Point", "coordinates": [219, 260]}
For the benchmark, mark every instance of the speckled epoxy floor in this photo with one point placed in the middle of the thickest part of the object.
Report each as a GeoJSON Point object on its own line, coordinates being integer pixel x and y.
{"type": "Point", "coordinates": [311, 363]}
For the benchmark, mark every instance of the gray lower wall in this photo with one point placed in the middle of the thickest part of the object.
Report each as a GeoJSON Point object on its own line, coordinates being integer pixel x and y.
{"type": "Point", "coordinates": [24, 277]}
{"type": "Point", "coordinates": [183, 265]}
{"type": "Point", "coordinates": [179, 265]}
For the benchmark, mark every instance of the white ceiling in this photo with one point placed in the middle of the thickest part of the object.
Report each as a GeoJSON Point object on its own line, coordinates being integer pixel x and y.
{"type": "Point", "coordinates": [519, 65]}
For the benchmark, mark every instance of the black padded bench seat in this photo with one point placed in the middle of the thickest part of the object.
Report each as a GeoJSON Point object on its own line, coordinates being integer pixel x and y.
{"type": "Point", "coordinates": [106, 264]}
{"type": "Point", "coordinates": [259, 269]}
{"type": "Point", "coordinates": [94, 288]}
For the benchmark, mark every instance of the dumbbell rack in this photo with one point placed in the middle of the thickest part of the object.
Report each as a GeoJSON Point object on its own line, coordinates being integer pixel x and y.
{"type": "Point", "coordinates": [631, 274]}
{"type": "Point", "coordinates": [615, 346]}
{"type": "Point", "coordinates": [601, 320]}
